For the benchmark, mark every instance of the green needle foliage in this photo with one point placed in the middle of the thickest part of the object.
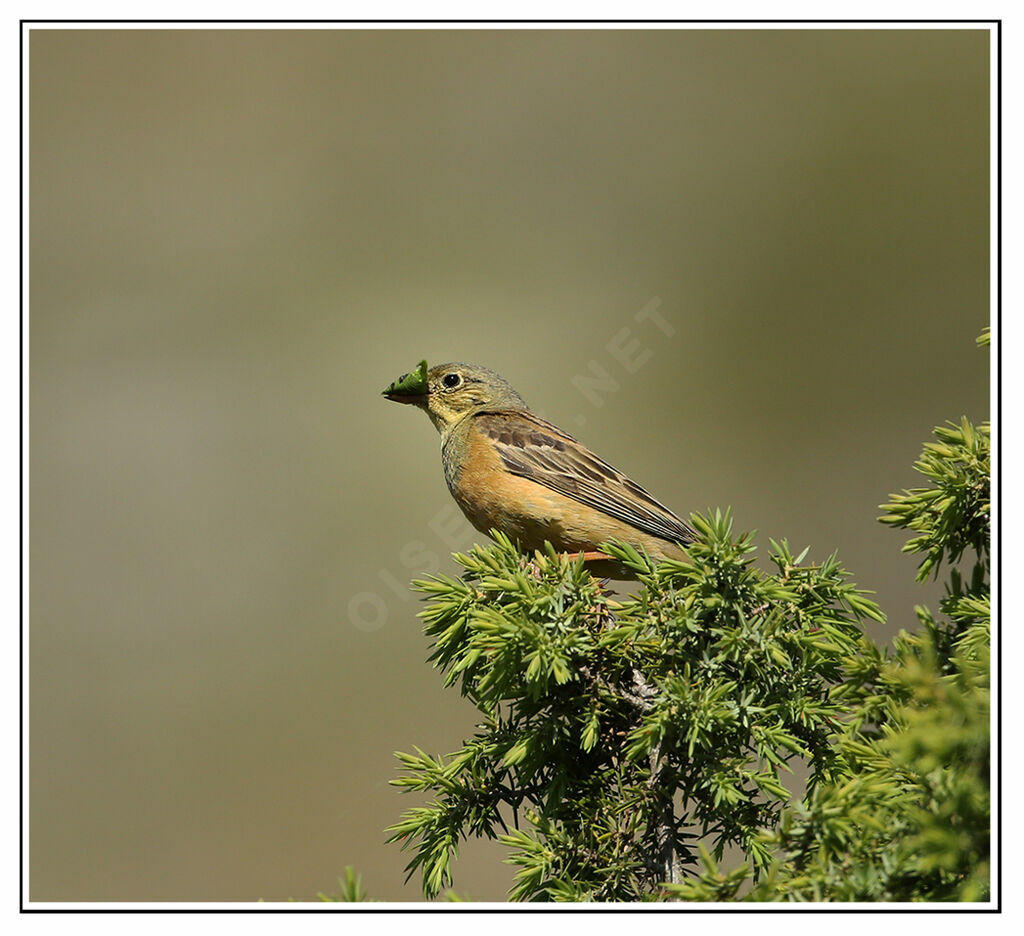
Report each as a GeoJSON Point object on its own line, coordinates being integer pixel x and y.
{"type": "Point", "coordinates": [350, 889]}
{"type": "Point", "coordinates": [625, 744]}
{"type": "Point", "coordinates": [907, 817]}
{"type": "Point", "coordinates": [615, 734]}
{"type": "Point", "coordinates": [951, 515]}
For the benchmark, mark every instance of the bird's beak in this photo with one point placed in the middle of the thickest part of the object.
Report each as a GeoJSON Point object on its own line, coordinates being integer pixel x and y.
{"type": "Point", "coordinates": [409, 388]}
{"type": "Point", "coordinates": [406, 397]}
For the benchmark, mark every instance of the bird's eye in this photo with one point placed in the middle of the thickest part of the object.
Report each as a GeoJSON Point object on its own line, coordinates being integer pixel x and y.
{"type": "Point", "coordinates": [451, 381]}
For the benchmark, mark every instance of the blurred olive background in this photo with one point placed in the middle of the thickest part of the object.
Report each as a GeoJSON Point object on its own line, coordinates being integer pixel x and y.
{"type": "Point", "coordinates": [239, 237]}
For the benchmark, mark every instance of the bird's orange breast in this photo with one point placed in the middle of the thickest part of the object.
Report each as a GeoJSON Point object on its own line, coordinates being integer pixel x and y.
{"type": "Point", "coordinates": [530, 513]}
{"type": "Point", "coordinates": [491, 498]}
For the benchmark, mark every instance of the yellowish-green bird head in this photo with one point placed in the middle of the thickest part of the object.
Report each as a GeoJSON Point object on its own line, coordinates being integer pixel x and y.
{"type": "Point", "coordinates": [448, 392]}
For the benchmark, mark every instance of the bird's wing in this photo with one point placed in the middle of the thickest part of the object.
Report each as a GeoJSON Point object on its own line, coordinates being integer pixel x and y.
{"type": "Point", "coordinates": [534, 449]}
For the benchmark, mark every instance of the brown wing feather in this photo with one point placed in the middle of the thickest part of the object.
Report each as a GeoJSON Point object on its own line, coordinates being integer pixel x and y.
{"type": "Point", "coordinates": [534, 449]}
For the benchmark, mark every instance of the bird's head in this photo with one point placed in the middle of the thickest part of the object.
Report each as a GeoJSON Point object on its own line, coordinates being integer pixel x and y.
{"type": "Point", "coordinates": [448, 392]}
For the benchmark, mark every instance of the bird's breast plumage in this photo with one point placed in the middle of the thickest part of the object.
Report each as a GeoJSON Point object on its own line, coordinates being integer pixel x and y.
{"type": "Point", "coordinates": [513, 472]}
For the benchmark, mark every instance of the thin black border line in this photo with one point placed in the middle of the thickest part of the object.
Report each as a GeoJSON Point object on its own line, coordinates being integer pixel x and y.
{"type": "Point", "coordinates": [21, 469]}
{"type": "Point", "coordinates": [999, 447]}
{"type": "Point", "coordinates": [422, 907]}
{"type": "Point", "coordinates": [511, 908]}
{"type": "Point", "coordinates": [528, 909]}
{"type": "Point", "coordinates": [993, 22]}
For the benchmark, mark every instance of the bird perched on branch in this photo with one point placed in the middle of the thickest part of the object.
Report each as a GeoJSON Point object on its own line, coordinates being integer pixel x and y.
{"type": "Point", "coordinates": [510, 470]}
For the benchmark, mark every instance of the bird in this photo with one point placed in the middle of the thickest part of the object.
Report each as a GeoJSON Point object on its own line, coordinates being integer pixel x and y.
{"type": "Point", "coordinates": [512, 471]}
